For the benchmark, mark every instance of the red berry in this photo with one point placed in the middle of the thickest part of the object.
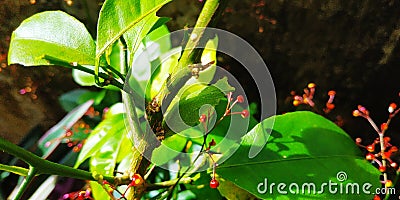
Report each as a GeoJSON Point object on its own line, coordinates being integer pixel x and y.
{"type": "Point", "coordinates": [371, 148]}
{"type": "Point", "coordinates": [376, 197]}
{"type": "Point", "coordinates": [240, 99]}
{"type": "Point", "coordinates": [136, 180]}
{"type": "Point", "coordinates": [245, 113]}
{"type": "Point", "coordinates": [202, 118]}
{"type": "Point", "coordinates": [214, 183]}
{"type": "Point", "coordinates": [382, 168]}
{"type": "Point", "coordinates": [393, 164]}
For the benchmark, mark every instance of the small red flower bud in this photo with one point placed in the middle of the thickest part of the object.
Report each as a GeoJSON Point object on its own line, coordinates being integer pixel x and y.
{"type": "Point", "coordinates": [212, 143]}
{"type": "Point", "coordinates": [331, 93]}
{"type": "Point", "coordinates": [392, 107]}
{"type": "Point", "coordinates": [203, 118]}
{"type": "Point", "coordinates": [311, 85]}
{"type": "Point", "coordinates": [214, 183]}
{"type": "Point", "coordinates": [388, 183]}
{"type": "Point", "coordinates": [382, 168]}
{"type": "Point", "coordinates": [356, 113]}
{"type": "Point", "coordinates": [296, 102]}
{"type": "Point", "coordinates": [384, 127]}
{"type": "Point", "coordinates": [358, 140]}
{"type": "Point", "coordinates": [370, 156]}
{"type": "Point", "coordinates": [377, 197]}
{"type": "Point", "coordinates": [393, 164]}
{"type": "Point", "coordinates": [371, 148]}
{"type": "Point", "coordinates": [330, 106]}
{"type": "Point", "coordinates": [240, 98]}
{"type": "Point", "coordinates": [245, 113]}
{"type": "Point", "coordinates": [393, 149]}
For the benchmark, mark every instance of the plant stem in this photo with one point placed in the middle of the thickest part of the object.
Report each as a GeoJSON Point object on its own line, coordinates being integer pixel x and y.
{"type": "Point", "coordinates": [63, 63]}
{"type": "Point", "coordinates": [182, 72]}
{"type": "Point", "coordinates": [43, 166]}
{"type": "Point", "coordinates": [31, 174]}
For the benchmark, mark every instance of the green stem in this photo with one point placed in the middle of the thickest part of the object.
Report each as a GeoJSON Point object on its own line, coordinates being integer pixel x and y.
{"type": "Point", "coordinates": [14, 169]}
{"type": "Point", "coordinates": [31, 174]}
{"type": "Point", "coordinates": [66, 64]}
{"type": "Point", "coordinates": [182, 72]}
{"type": "Point", "coordinates": [43, 166]}
{"type": "Point", "coordinates": [210, 6]}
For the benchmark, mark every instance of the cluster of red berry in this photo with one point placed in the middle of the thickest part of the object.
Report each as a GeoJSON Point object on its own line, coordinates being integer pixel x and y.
{"type": "Point", "coordinates": [308, 96]}
{"type": "Point", "coordinates": [70, 138]}
{"type": "Point", "coordinates": [204, 120]}
{"type": "Point", "coordinates": [382, 155]}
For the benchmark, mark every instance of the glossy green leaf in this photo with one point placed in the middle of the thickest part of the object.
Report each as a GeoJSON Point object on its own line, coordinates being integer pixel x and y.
{"type": "Point", "coordinates": [52, 33]}
{"type": "Point", "coordinates": [170, 148]}
{"type": "Point", "coordinates": [52, 137]}
{"type": "Point", "coordinates": [109, 129]}
{"type": "Point", "coordinates": [105, 159]}
{"type": "Point", "coordinates": [148, 59]}
{"type": "Point", "coordinates": [303, 147]}
{"type": "Point", "coordinates": [76, 97]}
{"type": "Point", "coordinates": [132, 17]}
{"type": "Point", "coordinates": [201, 187]}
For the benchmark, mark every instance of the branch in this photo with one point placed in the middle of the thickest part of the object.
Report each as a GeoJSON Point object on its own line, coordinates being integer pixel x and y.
{"type": "Point", "coordinates": [43, 166]}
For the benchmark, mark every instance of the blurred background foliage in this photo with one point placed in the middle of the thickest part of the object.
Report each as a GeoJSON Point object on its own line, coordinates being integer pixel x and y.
{"type": "Point", "coordinates": [349, 46]}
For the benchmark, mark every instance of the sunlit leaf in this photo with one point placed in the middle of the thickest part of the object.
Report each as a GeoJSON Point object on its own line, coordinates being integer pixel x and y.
{"type": "Point", "coordinates": [302, 148]}
{"type": "Point", "coordinates": [52, 33]}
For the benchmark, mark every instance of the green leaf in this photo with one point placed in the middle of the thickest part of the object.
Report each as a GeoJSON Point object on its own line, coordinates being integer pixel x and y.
{"type": "Point", "coordinates": [189, 105]}
{"type": "Point", "coordinates": [201, 187]}
{"type": "Point", "coordinates": [170, 148]}
{"type": "Point", "coordinates": [132, 17]}
{"type": "Point", "coordinates": [76, 97]}
{"type": "Point", "coordinates": [52, 33]}
{"type": "Point", "coordinates": [149, 59]}
{"type": "Point", "coordinates": [109, 129]}
{"type": "Point", "coordinates": [302, 148]}
{"type": "Point", "coordinates": [53, 136]}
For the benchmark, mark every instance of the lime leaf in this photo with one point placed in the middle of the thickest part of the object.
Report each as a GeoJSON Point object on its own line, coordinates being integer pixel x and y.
{"type": "Point", "coordinates": [109, 129]}
{"type": "Point", "coordinates": [303, 149]}
{"type": "Point", "coordinates": [119, 17]}
{"type": "Point", "coordinates": [52, 33]}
